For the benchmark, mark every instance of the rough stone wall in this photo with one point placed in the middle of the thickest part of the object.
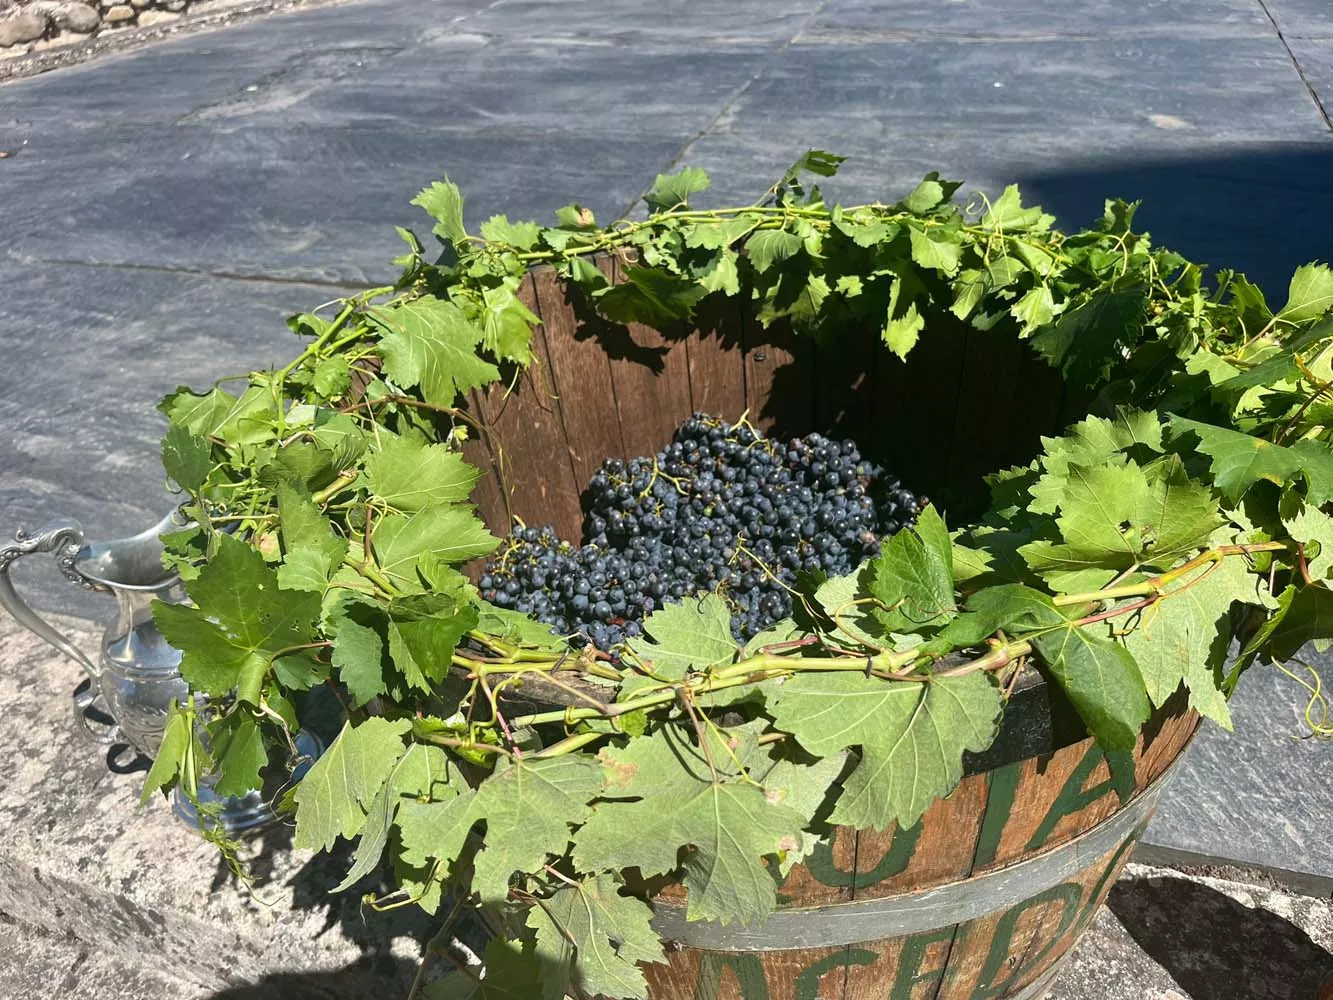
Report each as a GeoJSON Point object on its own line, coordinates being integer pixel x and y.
{"type": "Point", "coordinates": [33, 25]}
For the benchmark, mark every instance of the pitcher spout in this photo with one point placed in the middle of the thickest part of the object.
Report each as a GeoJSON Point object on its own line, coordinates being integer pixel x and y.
{"type": "Point", "coordinates": [133, 563]}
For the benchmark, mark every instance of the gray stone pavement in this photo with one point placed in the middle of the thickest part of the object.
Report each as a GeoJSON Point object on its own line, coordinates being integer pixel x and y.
{"type": "Point", "coordinates": [162, 210]}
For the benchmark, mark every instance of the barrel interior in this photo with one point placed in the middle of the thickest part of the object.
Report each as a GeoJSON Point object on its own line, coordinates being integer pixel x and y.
{"type": "Point", "coordinates": [966, 402]}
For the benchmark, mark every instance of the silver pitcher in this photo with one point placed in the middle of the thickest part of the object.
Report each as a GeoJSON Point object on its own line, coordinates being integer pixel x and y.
{"type": "Point", "coordinates": [136, 675]}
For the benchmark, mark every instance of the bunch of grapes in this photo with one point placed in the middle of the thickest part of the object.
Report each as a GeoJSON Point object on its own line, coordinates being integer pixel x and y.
{"type": "Point", "coordinates": [720, 509]}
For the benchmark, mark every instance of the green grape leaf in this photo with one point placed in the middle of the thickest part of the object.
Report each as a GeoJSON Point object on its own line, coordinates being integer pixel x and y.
{"type": "Point", "coordinates": [673, 191]}
{"type": "Point", "coordinates": [435, 817]}
{"type": "Point", "coordinates": [846, 601]}
{"type": "Point", "coordinates": [1007, 214]}
{"type": "Point", "coordinates": [731, 825]}
{"type": "Point", "coordinates": [1310, 294]}
{"type": "Point", "coordinates": [1034, 310]}
{"type": "Point", "coordinates": [516, 628]}
{"type": "Point", "coordinates": [358, 648]}
{"type": "Point", "coordinates": [586, 275]}
{"type": "Point", "coordinates": [912, 735]}
{"type": "Point", "coordinates": [1239, 460]}
{"type": "Point", "coordinates": [179, 743]}
{"type": "Point", "coordinates": [1186, 637]}
{"type": "Point", "coordinates": [1308, 618]}
{"type": "Point", "coordinates": [233, 420]}
{"type": "Point", "coordinates": [187, 458]}
{"type": "Point", "coordinates": [1316, 460]}
{"type": "Point", "coordinates": [238, 748]}
{"type": "Point", "coordinates": [1117, 516]}
{"type": "Point", "coordinates": [912, 577]}
{"type": "Point", "coordinates": [767, 247]}
{"type": "Point", "coordinates": [902, 326]}
{"type": "Point", "coordinates": [1310, 525]}
{"type": "Point", "coordinates": [519, 235]}
{"type": "Point", "coordinates": [649, 295]}
{"type": "Point", "coordinates": [597, 937]}
{"type": "Point", "coordinates": [863, 232]}
{"type": "Point", "coordinates": [240, 624]}
{"type": "Point", "coordinates": [333, 376]}
{"type": "Point", "coordinates": [450, 534]}
{"type": "Point", "coordinates": [930, 193]}
{"type": "Point", "coordinates": [443, 202]}
{"type": "Point", "coordinates": [573, 217]}
{"type": "Point", "coordinates": [408, 474]}
{"type": "Point", "coordinates": [725, 275]}
{"type": "Point", "coordinates": [507, 323]}
{"type": "Point", "coordinates": [529, 806]}
{"type": "Point", "coordinates": [421, 769]}
{"type": "Point", "coordinates": [339, 434]}
{"type": "Point", "coordinates": [1086, 338]}
{"type": "Point", "coordinates": [512, 973]}
{"type": "Point", "coordinates": [1093, 441]}
{"type": "Point", "coordinates": [1010, 607]}
{"type": "Point", "coordinates": [1101, 679]}
{"type": "Point", "coordinates": [334, 796]}
{"type": "Point", "coordinates": [424, 630]}
{"type": "Point", "coordinates": [431, 343]}
{"type": "Point", "coordinates": [692, 634]}
{"type": "Point", "coordinates": [969, 290]}
{"type": "Point", "coordinates": [941, 255]}
{"type": "Point", "coordinates": [716, 234]}
{"type": "Point", "coordinates": [804, 788]}
{"type": "Point", "coordinates": [313, 552]}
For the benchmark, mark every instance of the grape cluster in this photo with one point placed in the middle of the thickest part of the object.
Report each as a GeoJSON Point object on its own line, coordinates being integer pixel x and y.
{"type": "Point", "coordinates": [719, 509]}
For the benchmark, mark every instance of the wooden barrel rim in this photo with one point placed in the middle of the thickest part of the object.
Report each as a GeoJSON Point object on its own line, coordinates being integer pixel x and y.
{"type": "Point", "coordinates": [856, 921]}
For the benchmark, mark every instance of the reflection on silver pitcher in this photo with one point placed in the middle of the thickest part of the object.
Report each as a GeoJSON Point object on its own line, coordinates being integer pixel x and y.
{"type": "Point", "coordinates": [136, 675]}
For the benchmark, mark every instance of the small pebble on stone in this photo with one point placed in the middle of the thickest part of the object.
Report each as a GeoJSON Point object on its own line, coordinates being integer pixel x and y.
{"type": "Point", "coordinates": [25, 27]}
{"type": "Point", "coordinates": [156, 17]}
{"type": "Point", "coordinates": [121, 13]}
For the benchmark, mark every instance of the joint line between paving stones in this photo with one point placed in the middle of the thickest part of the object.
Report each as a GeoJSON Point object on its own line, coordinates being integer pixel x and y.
{"type": "Point", "coordinates": [730, 104]}
{"type": "Point", "coordinates": [1300, 71]}
{"type": "Point", "coordinates": [201, 273]}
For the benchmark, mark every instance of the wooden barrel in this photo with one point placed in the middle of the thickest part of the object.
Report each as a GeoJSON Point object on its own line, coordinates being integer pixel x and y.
{"type": "Point", "coordinates": [984, 896]}
{"type": "Point", "coordinates": [979, 900]}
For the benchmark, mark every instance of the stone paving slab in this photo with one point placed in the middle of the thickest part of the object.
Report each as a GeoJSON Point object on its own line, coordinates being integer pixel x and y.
{"type": "Point", "coordinates": [1301, 18]}
{"type": "Point", "coordinates": [1260, 797]}
{"type": "Point", "coordinates": [980, 20]}
{"type": "Point", "coordinates": [1167, 935]}
{"type": "Point", "coordinates": [80, 859]}
{"type": "Point", "coordinates": [35, 965]}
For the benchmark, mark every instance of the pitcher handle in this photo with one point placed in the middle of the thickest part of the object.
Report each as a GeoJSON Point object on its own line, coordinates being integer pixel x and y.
{"type": "Point", "coordinates": [64, 539]}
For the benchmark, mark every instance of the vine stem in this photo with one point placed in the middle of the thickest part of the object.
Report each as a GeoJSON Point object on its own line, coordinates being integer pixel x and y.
{"type": "Point", "coordinates": [900, 666]}
{"type": "Point", "coordinates": [1154, 585]}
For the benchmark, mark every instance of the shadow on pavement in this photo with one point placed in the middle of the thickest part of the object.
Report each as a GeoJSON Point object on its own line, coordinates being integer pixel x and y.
{"type": "Point", "coordinates": [1263, 210]}
{"type": "Point", "coordinates": [1214, 946]}
{"type": "Point", "coordinates": [381, 976]}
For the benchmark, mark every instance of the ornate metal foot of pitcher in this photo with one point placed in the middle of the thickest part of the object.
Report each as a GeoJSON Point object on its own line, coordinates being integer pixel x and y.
{"type": "Point", "coordinates": [136, 676]}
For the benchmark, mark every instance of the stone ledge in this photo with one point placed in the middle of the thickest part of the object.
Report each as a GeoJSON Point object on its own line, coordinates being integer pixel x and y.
{"type": "Point", "coordinates": [41, 35]}
{"type": "Point", "coordinates": [82, 861]}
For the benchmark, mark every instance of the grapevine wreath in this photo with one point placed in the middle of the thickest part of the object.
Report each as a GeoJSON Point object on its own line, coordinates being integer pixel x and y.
{"type": "Point", "coordinates": [330, 512]}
